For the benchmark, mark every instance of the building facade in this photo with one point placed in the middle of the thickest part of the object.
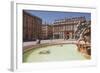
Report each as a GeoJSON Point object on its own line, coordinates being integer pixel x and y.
{"type": "Point", "coordinates": [32, 26]}
{"type": "Point", "coordinates": [65, 28]}
{"type": "Point", "coordinates": [47, 31]}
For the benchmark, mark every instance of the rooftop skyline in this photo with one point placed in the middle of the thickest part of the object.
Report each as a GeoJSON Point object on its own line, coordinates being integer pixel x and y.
{"type": "Point", "coordinates": [51, 16]}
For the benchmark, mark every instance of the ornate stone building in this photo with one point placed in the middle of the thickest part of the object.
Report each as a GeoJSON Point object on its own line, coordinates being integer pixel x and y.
{"type": "Point", "coordinates": [65, 28]}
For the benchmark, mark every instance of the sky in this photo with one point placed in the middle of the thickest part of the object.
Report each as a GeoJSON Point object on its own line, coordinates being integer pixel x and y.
{"type": "Point", "coordinates": [50, 16]}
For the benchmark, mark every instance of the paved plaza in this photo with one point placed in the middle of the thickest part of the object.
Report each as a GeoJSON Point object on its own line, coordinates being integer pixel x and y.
{"type": "Point", "coordinates": [49, 41]}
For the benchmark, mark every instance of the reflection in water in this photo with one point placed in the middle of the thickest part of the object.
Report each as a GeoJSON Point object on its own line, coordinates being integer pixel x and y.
{"type": "Point", "coordinates": [44, 52]}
